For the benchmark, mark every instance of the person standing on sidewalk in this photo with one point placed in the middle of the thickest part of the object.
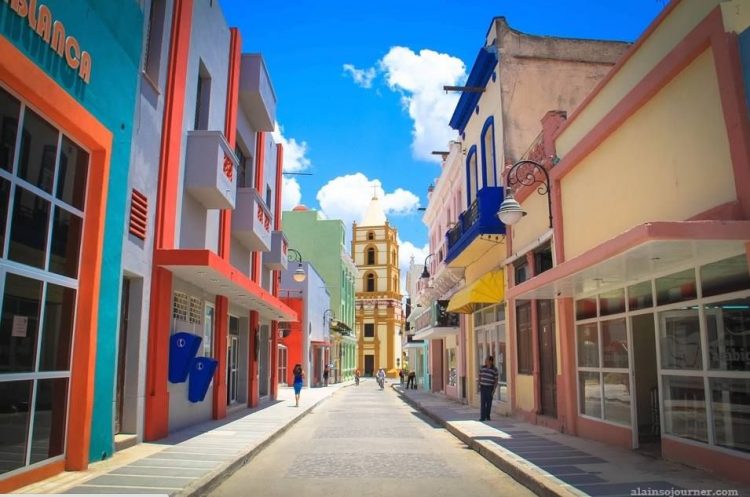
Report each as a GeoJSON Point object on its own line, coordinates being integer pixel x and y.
{"type": "Point", "coordinates": [488, 378]}
{"type": "Point", "coordinates": [326, 372]}
{"type": "Point", "coordinates": [299, 378]}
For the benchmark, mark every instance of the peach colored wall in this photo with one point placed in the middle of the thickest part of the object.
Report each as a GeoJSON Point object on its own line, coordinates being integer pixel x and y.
{"type": "Point", "coordinates": [534, 224]}
{"type": "Point", "coordinates": [685, 16]}
{"type": "Point", "coordinates": [695, 172]}
{"type": "Point", "coordinates": [524, 392]}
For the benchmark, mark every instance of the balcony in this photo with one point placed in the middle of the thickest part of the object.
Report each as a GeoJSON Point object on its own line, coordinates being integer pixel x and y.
{"type": "Point", "coordinates": [251, 221]}
{"type": "Point", "coordinates": [479, 219]}
{"type": "Point", "coordinates": [257, 98]}
{"type": "Point", "coordinates": [276, 259]}
{"type": "Point", "coordinates": [211, 169]}
{"type": "Point", "coordinates": [436, 322]}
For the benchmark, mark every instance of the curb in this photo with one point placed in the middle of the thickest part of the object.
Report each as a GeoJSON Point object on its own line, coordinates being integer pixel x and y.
{"type": "Point", "coordinates": [527, 474]}
{"type": "Point", "coordinates": [213, 479]}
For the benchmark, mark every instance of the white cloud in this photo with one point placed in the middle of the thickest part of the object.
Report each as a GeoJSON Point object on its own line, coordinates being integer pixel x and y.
{"type": "Point", "coordinates": [361, 77]}
{"type": "Point", "coordinates": [347, 197]}
{"type": "Point", "coordinates": [295, 153]}
{"type": "Point", "coordinates": [291, 193]}
{"type": "Point", "coordinates": [420, 77]}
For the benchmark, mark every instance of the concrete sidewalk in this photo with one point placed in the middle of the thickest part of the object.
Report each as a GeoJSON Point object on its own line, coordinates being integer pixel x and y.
{"type": "Point", "coordinates": [192, 461]}
{"type": "Point", "coordinates": [551, 463]}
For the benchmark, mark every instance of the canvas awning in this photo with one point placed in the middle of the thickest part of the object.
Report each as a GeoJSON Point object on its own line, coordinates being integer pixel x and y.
{"type": "Point", "coordinates": [489, 289]}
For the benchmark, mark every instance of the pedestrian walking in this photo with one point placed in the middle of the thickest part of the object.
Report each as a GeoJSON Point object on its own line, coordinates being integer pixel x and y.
{"type": "Point", "coordinates": [401, 376]}
{"type": "Point", "coordinates": [299, 377]}
{"type": "Point", "coordinates": [488, 378]}
{"type": "Point", "coordinates": [326, 372]}
{"type": "Point", "coordinates": [412, 382]}
{"type": "Point", "coordinates": [356, 377]}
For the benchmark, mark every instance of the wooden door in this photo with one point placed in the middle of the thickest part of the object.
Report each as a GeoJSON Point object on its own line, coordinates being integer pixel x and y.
{"type": "Point", "coordinates": [547, 357]}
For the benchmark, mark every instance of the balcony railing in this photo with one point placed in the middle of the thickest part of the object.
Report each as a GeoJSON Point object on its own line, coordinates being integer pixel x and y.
{"type": "Point", "coordinates": [437, 317]}
{"type": "Point", "coordinates": [479, 219]}
{"type": "Point", "coordinates": [211, 169]}
{"type": "Point", "coordinates": [276, 259]}
{"type": "Point", "coordinates": [251, 221]}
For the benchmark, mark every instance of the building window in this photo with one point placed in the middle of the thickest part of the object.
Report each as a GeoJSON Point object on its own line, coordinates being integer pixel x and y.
{"type": "Point", "coordinates": [472, 180]}
{"type": "Point", "coordinates": [520, 271]}
{"type": "Point", "coordinates": [371, 256]}
{"type": "Point", "coordinates": [488, 152]}
{"type": "Point", "coordinates": [523, 338]}
{"type": "Point", "coordinates": [370, 283]}
{"type": "Point", "coordinates": [202, 98]}
{"type": "Point", "coordinates": [154, 36]}
{"type": "Point", "coordinates": [542, 259]}
{"type": "Point", "coordinates": [370, 235]}
{"type": "Point", "coordinates": [244, 166]}
{"type": "Point", "coordinates": [369, 330]}
{"type": "Point", "coordinates": [208, 331]}
{"type": "Point", "coordinates": [42, 195]}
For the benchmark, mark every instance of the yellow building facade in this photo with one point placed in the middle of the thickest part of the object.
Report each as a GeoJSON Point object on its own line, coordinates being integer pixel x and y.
{"type": "Point", "coordinates": [378, 313]}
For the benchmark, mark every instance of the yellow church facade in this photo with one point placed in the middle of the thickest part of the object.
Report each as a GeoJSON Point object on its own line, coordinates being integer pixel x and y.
{"type": "Point", "coordinates": [378, 315]}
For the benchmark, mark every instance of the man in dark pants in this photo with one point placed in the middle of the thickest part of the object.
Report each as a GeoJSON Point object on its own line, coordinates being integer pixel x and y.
{"type": "Point", "coordinates": [488, 378]}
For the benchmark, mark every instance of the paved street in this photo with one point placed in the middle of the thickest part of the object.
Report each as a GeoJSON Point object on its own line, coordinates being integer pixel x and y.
{"type": "Point", "coordinates": [364, 442]}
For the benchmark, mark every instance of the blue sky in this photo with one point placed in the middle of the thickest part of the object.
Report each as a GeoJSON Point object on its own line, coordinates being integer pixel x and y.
{"type": "Point", "coordinates": [334, 127]}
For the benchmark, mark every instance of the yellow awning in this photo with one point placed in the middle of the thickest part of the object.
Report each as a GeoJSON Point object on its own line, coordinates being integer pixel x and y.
{"type": "Point", "coordinates": [489, 289]}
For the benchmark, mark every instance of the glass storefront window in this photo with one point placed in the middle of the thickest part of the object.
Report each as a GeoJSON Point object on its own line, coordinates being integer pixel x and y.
{"type": "Point", "coordinates": [15, 414]}
{"type": "Point", "coordinates": [4, 201]}
{"type": "Point", "coordinates": [617, 397]}
{"type": "Point", "coordinates": [728, 327]}
{"type": "Point", "coordinates": [728, 275]}
{"type": "Point", "coordinates": [680, 340]}
{"type": "Point", "coordinates": [677, 287]}
{"type": "Point", "coordinates": [590, 391]}
{"type": "Point", "coordinates": [48, 438]}
{"type": "Point", "coordinates": [57, 331]}
{"type": "Point", "coordinates": [614, 344]}
{"type": "Point", "coordinates": [38, 151]}
{"type": "Point", "coordinates": [9, 111]}
{"type": "Point", "coordinates": [730, 402]}
{"type": "Point", "coordinates": [73, 170]}
{"type": "Point", "coordinates": [586, 308]}
{"type": "Point", "coordinates": [67, 229]}
{"type": "Point", "coordinates": [685, 407]}
{"type": "Point", "coordinates": [28, 230]}
{"type": "Point", "coordinates": [612, 302]}
{"type": "Point", "coordinates": [588, 345]}
{"type": "Point", "coordinates": [20, 323]}
{"type": "Point", "coordinates": [640, 296]}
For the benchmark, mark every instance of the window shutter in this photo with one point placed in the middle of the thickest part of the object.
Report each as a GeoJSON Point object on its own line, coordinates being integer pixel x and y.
{"type": "Point", "coordinates": [138, 214]}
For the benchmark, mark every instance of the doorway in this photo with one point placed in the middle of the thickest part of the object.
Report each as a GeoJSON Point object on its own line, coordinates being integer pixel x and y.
{"type": "Point", "coordinates": [233, 359]}
{"type": "Point", "coordinates": [547, 357]}
{"type": "Point", "coordinates": [369, 365]}
{"type": "Point", "coordinates": [646, 384]}
{"type": "Point", "coordinates": [122, 354]}
{"type": "Point", "coordinates": [264, 360]}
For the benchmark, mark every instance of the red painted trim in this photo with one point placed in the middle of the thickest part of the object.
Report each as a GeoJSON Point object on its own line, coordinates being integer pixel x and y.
{"type": "Point", "coordinates": [253, 385]}
{"type": "Point", "coordinates": [695, 43]}
{"type": "Point", "coordinates": [569, 408]}
{"type": "Point", "coordinates": [46, 96]}
{"type": "Point", "coordinates": [725, 48]}
{"type": "Point", "coordinates": [279, 183]}
{"type": "Point", "coordinates": [207, 258]}
{"type": "Point", "coordinates": [274, 390]}
{"type": "Point", "coordinates": [221, 328]}
{"type": "Point", "coordinates": [260, 159]}
{"type": "Point", "coordinates": [172, 132]}
{"type": "Point", "coordinates": [704, 456]}
{"type": "Point", "coordinates": [34, 475]}
{"type": "Point", "coordinates": [730, 211]}
{"type": "Point", "coordinates": [156, 424]}
{"type": "Point", "coordinates": [620, 64]}
{"type": "Point", "coordinates": [230, 130]}
{"type": "Point", "coordinates": [620, 436]}
{"type": "Point", "coordinates": [667, 230]}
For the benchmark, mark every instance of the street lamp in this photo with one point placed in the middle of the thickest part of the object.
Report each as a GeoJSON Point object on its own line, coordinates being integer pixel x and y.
{"type": "Point", "coordinates": [425, 273]}
{"type": "Point", "coordinates": [523, 172]}
{"type": "Point", "coordinates": [299, 273]}
{"type": "Point", "coordinates": [329, 314]}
